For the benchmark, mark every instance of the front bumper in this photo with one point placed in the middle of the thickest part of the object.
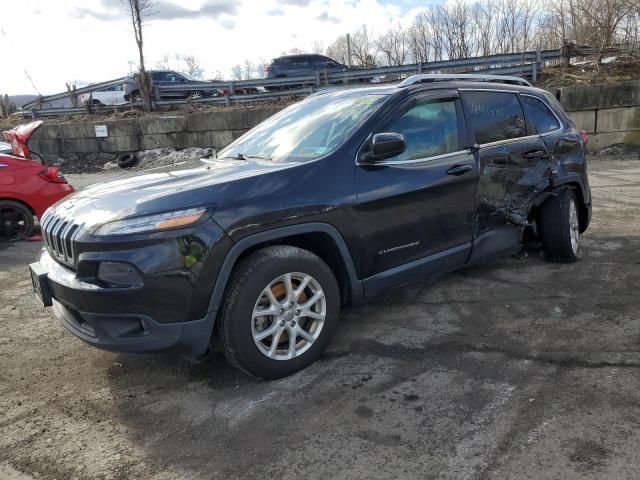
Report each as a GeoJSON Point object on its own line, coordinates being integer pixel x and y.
{"type": "Point", "coordinates": [118, 332]}
{"type": "Point", "coordinates": [136, 333]}
{"type": "Point", "coordinates": [170, 309]}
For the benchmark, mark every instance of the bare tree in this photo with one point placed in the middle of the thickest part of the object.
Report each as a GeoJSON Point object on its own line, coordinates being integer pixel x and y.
{"type": "Point", "coordinates": [363, 48]}
{"type": "Point", "coordinates": [249, 70]}
{"type": "Point", "coordinates": [236, 72]}
{"type": "Point", "coordinates": [338, 50]}
{"type": "Point", "coordinates": [420, 38]}
{"type": "Point", "coordinates": [192, 66]}
{"type": "Point", "coordinates": [598, 23]}
{"type": "Point", "coordinates": [394, 46]}
{"type": "Point", "coordinates": [140, 11]}
{"type": "Point", "coordinates": [189, 64]}
{"type": "Point", "coordinates": [71, 89]}
{"type": "Point", "coordinates": [318, 47]}
{"type": "Point", "coordinates": [164, 63]}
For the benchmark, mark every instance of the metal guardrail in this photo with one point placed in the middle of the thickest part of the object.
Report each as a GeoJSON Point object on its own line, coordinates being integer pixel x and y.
{"type": "Point", "coordinates": [525, 64]}
{"type": "Point", "coordinates": [255, 97]}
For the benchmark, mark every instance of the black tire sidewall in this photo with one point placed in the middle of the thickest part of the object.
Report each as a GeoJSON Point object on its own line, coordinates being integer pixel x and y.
{"type": "Point", "coordinates": [26, 212]}
{"type": "Point", "coordinates": [238, 317]}
{"type": "Point", "coordinates": [127, 160]}
{"type": "Point", "coordinates": [556, 227]}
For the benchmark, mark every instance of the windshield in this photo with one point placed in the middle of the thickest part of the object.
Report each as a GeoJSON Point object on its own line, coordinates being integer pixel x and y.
{"type": "Point", "coordinates": [307, 130]}
{"type": "Point", "coordinates": [190, 77]}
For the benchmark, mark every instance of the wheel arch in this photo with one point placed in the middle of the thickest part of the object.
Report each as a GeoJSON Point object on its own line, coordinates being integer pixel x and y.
{"type": "Point", "coordinates": [18, 200]}
{"type": "Point", "coordinates": [321, 239]}
{"type": "Point", "coordinates": [571, 184]}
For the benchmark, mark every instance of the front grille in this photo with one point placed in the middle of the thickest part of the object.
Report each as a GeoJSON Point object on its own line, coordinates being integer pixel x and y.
{"type": "Point", "coordinates": [58, 234]}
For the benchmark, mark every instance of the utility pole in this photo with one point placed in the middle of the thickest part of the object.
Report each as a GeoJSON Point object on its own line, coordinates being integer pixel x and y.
{"type": "Point", "coordinates": [349, 50]}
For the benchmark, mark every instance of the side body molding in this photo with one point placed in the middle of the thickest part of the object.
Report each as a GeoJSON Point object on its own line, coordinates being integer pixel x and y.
{"type": "Point", "coordinates": [247, 242]}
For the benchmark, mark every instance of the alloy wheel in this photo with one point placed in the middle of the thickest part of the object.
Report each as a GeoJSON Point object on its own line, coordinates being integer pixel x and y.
{"type": "Point", "coordinates": [13, 224]}
{"type": "Point", "coordinates": [574, 226]}
{"type": "Point", "coordinates": [288, 316]}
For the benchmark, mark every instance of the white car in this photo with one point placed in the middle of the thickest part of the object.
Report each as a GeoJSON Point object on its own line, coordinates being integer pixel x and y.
{"type": "Point", "coordinates": [107, 96]}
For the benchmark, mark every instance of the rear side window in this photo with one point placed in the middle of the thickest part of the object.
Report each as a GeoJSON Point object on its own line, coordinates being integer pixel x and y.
{"type": "Point", "coordinates": [494, 116]}
{"type": "Point", "coordinates": [430, 128]}
{"type": "Point", "coordinates": [539, 114]}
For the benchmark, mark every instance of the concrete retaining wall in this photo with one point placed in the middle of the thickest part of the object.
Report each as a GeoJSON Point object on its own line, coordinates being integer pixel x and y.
{"type": "Point", "coordinates": [610, 113]}
{"type": "Point", "coordinates": [79, 141]}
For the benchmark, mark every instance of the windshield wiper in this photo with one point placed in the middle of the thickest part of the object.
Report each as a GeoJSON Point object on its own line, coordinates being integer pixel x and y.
{"type": "Point", "coordinates": [243, 156]}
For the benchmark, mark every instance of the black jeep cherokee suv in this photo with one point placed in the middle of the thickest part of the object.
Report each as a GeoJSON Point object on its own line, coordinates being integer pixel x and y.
{"type": "Point", "coordinates": [332, 200]}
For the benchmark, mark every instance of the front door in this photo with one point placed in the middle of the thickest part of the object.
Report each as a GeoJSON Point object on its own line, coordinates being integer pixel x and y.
{"type": "Point", "coordinates": [419, 204]}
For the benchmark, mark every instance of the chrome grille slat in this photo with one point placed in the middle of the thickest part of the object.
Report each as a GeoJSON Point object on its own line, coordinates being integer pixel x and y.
{"type": "Point", "coordinates": [45, 226]}
{"type": "Point", "coordinates": [59, 233]}
{"type": "Point", "coordinates": [63, 238]}
{"type": "Point", "coordinates": [52, 230]}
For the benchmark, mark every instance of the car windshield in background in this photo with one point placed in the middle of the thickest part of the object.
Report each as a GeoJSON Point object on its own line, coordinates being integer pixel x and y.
{"type": "Point", "coordinates": [307, 130]}
{"type": "Point", "coordinates": [190, 78]}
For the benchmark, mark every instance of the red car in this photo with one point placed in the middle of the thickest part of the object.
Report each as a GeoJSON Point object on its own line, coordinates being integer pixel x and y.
{"type": "Point", "coordinates": [27, 187]}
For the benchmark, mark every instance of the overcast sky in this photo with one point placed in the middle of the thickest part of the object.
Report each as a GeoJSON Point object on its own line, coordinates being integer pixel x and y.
{"type": "Point", "coordinates": [91, 40]}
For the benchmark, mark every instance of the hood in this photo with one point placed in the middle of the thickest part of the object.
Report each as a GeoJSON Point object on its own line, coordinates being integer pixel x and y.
{"type": "Point", "coordinates": [160, 190]}
{"type": "Point", "coordinates": [19, 136]}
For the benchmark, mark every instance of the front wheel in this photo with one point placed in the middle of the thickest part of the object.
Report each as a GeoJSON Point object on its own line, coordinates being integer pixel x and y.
{"type": "Point", "coordinates": [560, 227]}
{"type": "Point", "coordinates": [280, 312]}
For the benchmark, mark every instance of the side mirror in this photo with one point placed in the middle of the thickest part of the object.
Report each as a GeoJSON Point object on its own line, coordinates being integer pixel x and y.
{"type": "Point", "coordinates": [386, 145]}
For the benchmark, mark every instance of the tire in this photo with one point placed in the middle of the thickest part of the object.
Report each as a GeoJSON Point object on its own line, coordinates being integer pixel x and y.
{"type": "Point", "coordinates": [16, 221]}
{"type": "Point", "coordinates": [136, 97]}
{"type": "Point", "coordinates": [239, 328]}
{"type": "Point", "coordinates": [96, 103]}
{"type": "Point", "coordinates": [195, 95]}
{"type": "Point", "coordinates": [560, 227]}
{"type": "Point", "coordinates": [127, 160]}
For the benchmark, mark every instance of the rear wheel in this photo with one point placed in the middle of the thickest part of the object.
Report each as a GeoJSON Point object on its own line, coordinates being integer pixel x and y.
{"type": "Point", "coordinates": [16, 221]}
{"type": "Point", "coordinates": [136, 97]}
{"type": "Point", "coordinates": [560, 227]}
{"type": "Point", "coordinates": [195, 95]}
{"type": "Point", "coordinates": [280, 312]}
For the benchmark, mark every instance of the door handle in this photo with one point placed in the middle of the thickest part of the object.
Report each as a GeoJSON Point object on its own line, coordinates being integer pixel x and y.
{"type": "Point", "coordinates": [535, 154]}
{"type": "Point", "coordinates": [459, 169]}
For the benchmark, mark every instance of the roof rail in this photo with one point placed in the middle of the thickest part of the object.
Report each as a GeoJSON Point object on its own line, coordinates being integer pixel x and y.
{"type": "Point", "coordinates": [443, 77]}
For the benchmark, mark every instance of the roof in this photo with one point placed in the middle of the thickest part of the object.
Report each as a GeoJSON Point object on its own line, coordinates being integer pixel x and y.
{"type": "Point", "coordinates": [438, 83]}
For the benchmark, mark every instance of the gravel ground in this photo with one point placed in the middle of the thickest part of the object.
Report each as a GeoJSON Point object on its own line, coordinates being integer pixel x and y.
{"type": "Point", "coordinates": [514, 370]}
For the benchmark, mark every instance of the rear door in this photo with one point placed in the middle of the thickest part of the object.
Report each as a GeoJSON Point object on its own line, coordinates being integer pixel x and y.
{"type": "Point", "coordinates": [300, 66]}
{"type": "Point", "coordinates": [512, 159]}
{"type": "Point", "coordinates": [421, 202]}
{"type": "Point", "coordinates": [564, 142]}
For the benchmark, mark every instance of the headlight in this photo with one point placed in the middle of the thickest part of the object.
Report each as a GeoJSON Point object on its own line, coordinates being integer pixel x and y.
{"type": "Point", "coordinates": [151, 223]}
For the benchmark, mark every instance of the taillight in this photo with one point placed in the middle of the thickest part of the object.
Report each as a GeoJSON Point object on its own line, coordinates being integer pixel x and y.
{"type": "Point", "coordinates": [585, 137]}
{"type": "Point", "coordinates": [268, 69]}
{"type": "Point", "coordinates": [52, 175]}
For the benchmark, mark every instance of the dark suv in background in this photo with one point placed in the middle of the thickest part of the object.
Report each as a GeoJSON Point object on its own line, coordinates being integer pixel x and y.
{"type": "Point", "coordinates": [335, 199]}
{"type": "Point", "coordinates": [198, 88]}
{"type": "Point", "coordinates": [302, 65]}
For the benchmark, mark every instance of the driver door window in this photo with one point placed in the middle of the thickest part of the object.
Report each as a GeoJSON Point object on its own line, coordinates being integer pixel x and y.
{"type": "Point", "coordinates": [429, 127]}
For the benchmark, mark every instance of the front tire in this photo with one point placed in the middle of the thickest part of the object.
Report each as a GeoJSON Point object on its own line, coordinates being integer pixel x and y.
{"type": "Point", "coordinates": [560, 227]}
{"type": "Point", "coordinates": [280, 312]}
